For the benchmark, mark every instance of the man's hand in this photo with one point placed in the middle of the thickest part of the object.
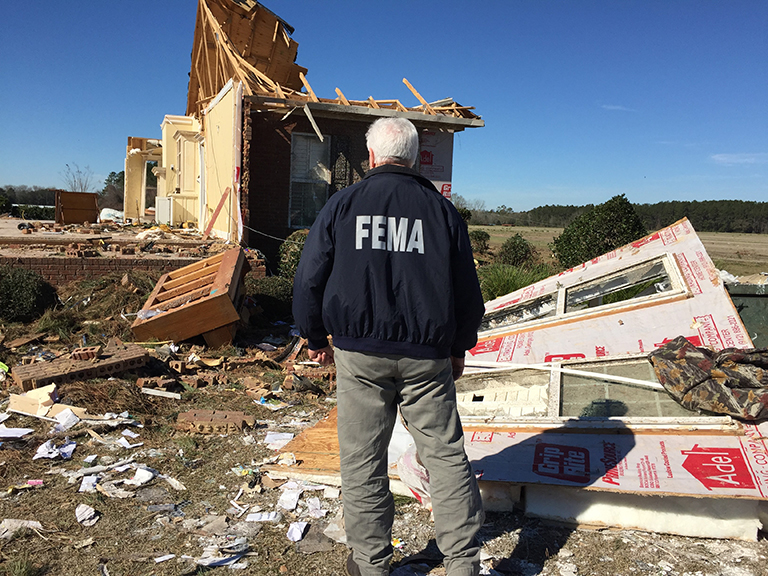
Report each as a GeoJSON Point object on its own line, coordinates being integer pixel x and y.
{"type": "Point", "coordinates": [458, 367]}
{"type": "Point", "coordinates": [325, 356]}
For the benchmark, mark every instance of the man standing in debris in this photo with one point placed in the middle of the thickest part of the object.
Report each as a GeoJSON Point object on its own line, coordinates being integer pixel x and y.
{"type": "Point", "coordinates": [387, 271]}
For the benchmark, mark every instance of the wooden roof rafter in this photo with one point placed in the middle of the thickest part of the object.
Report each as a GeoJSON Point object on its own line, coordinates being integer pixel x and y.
{"type": "Point", "coordinates": [244, 41]}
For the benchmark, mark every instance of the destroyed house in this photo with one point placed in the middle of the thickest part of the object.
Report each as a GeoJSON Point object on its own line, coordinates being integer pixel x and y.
{"type": "Point", "coordinates": [258, 153]}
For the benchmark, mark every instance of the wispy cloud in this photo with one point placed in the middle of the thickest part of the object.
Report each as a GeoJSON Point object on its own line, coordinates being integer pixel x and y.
{"type": "Point", "coordinates": [734, 159]}
{"type": "Point", "coordinates": [616, 107]}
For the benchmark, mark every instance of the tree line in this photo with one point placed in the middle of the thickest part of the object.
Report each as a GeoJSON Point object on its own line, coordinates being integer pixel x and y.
{"type": "Point", "coordinates": [706, 216]}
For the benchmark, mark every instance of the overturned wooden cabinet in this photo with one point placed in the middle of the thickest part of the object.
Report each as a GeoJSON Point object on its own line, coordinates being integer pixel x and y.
{"type": "Point", "coordinates": [200, 299]}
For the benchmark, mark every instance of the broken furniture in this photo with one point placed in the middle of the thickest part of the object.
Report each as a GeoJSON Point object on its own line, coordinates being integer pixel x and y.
{"type": "Point", "coordinates": [200, 299]}
{"type": "Point", "coordinates": [116, 357]}
{"type": "Point", "coordinates": [76, 207]}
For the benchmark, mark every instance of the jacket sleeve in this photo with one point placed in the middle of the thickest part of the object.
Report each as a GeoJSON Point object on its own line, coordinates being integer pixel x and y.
{"type": "Point", "coordinates": [467, 297]}
{"type": "Point", "coordinates": [309, 283]}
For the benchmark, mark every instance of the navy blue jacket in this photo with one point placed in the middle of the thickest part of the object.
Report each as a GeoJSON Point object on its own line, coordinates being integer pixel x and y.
{"type": "Point", "coordinates": [388, 268]}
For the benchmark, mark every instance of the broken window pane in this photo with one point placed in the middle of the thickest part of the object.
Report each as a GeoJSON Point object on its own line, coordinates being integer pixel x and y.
{"type": "Point", "coordinates": [310, 177]}
{"type": "Point", "coordinates": [542, 307]}
{"type": "Point", "coordinates": [643, 280]}
{"type": "Point", "coordinates": [588, 396]}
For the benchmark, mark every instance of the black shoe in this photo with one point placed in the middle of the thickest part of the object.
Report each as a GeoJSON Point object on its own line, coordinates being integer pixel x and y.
{"type": "Point", "coordinates": [351, 567]}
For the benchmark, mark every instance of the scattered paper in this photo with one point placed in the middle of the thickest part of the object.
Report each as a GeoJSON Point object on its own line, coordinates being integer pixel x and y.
{"type": "Point", "coordinates": [123, 441]}
{"type": "Point", "coordinates": [331, 492]}
{"type": "Point", "coordinates": [130, 433]}
{"type": "Point", "coordinates": [90, 459]}
{"type": "Point", "coordinates": [9, 526]}
{"type": "Point", "coordinates": [14, 432]}
{"type": "Point", "coordinates": [315, 511]}
{"type": "Point", "coordinates": [49, 450]}
{"type": "Point", "coordinates": [65, 420]}
{"type": "Point", "coordinates": [88, 484]}
{"type": "Point", "coordinates": [141, 476]}
{"type": "Point", "coordinates": [276, 440]}
{"type": "Point", "coordinates": [86, 515]}
{"type": "Point", "coordinates": [289, 499]}
{"type": "Point", "coordinates": [164, 558]}
{"type": "Point", "coordinates": [296, 531]}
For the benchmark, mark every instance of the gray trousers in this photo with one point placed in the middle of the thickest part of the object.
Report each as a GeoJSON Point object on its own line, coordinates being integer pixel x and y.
{"type": "Point", "coordinates": [370, 387]}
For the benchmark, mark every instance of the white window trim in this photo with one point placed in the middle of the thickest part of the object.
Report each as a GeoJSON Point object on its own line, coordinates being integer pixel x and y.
{"type": "Point", "coordinates": [679, 290]}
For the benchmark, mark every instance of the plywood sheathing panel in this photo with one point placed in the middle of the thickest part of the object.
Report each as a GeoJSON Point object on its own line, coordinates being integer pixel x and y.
{"type": "Point", "coordinates": [76, 207]}
{"type": "Point", "coordinates": [201, 298]}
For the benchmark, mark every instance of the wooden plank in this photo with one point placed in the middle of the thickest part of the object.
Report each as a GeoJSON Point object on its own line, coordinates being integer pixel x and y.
{"type": "Point", "coordinates": [170, 285]}
{"type": "Point", "coordinates": [216, 212]}
{"type": "Point", "coordinates": [373, 102]}
{"type": "Point", "coordinates": [308, 87]}
{"type": "Point", "coordinates": [424, 103]}
{"type": "Point", "coordinates": [196, 266]}
{"type": "Point", "coordinates": [188, 287]}
{"type": "Point", "coordinates": [316, 449]}
{"type": "Point", "coordinates": [342, 98]}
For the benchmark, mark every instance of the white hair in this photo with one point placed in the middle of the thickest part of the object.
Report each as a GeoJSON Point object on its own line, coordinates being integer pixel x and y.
{"type": "Point", "coordinates": [393, 140]}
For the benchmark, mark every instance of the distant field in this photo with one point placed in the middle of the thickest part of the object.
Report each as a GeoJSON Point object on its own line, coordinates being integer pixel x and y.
{"type": "Point", "coordinates": [739, 254]}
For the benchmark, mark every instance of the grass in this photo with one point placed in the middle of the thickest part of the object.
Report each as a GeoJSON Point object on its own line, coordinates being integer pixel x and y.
{"type": "Point", "coordinates": [739, 254]}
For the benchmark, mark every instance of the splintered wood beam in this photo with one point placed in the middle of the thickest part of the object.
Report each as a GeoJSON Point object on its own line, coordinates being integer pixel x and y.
{"type": "Point", "coordinates": [427, 107]}
{"type": "Point", "coordinates": [311, 92]}
{"type": "Point", "coordinates": [342, 98]}
{"type": "Point", "coordinates": [279, 91]}
{"type": "Point", "coordinates": [400, 107]}
{"type": "Point", "coordinates": [373, 103]}
{"type": "Point", "coordinates": [308, 112]}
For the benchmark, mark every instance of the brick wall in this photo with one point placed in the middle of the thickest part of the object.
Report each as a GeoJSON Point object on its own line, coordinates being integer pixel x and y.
{"type": "Point", "coordinates": [269, 170]}
{"type": "Point", "coordinates": [61, 270]}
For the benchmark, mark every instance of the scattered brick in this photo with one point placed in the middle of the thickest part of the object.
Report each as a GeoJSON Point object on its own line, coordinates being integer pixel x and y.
{"type": "Point", "coordinates": [85, 353]}
{"type": "Point", "coordinates": [213, 421]}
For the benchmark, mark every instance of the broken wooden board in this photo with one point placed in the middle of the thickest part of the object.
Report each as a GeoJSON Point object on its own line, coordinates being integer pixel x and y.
{"type": "Point", "coordinates": [214, 421]}
{"type": "Point", "coordinates": [202, 298]}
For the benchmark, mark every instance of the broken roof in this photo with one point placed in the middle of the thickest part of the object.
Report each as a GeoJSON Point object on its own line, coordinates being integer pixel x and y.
{"type": "Point", "coordinates": [243, 40]}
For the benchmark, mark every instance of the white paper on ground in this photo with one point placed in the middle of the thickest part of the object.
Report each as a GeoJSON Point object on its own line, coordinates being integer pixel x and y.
{"type": "Point", "coordinates": [264, 517]}
{"type": "Point", "coordinates": [86, 515]}
{"type": "Point", "coordinates": [130, 433]}
{"type": "Point", "coordinates": [123, 441]}
{"type": "Point", "coordinates": [65, 420]}
{"type": "Point", "coordinates": [296, 531]}
{"type": "Point", "coordinates": [141, 476]}
{"type": "Point", "coordinates": [14, 432]}
{"type": "Point", "coordinates": [9, 526]}
{"type": "Point", "coordinates": [164, 558]}
{"type": "Point", "coordinates": [88, 484]}
{"type": "Point", "coordinates": [289, 499]}
{"type": "Point", "coordinates": [276, 440]}
{"type": "Point", "coordinates": [315, 511]}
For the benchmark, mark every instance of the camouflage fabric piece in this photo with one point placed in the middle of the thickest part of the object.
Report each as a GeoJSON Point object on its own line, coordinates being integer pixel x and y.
{"type": "Point", "coordinates": [733, 381]}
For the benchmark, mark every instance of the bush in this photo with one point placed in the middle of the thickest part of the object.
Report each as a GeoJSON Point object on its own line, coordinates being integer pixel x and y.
{"type": "Point", "coordinates": [24, 295]}
{"type": "Point", "coordinates": [516, 251]}
{"type": "Point", "coordinates": [499, 279]}
{"type": "Point", "coordinates": [5, 204]}
{"type": "Point", "coordinates": [273, 293]}
{"type": "Point", "coordinates": [290, 253]}
{"type": "Point", "coordinates": [33, 212]}
{"type": "Point", "coordinates": [479, 240]}
{"type": "Point", "coordinates": [604, 228]}
{"type": "Point", "coordinates": [465, 213]}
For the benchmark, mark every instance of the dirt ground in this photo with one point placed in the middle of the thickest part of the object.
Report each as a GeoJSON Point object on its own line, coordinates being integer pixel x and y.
{"type": "Point", "coordinates": [739, 254]}
{"type": "Point", "coordinates": [134, 533]}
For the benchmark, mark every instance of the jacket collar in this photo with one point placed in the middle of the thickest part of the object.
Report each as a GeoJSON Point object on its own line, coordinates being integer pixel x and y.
{"type": "Point", "coordinates": [395, 169]}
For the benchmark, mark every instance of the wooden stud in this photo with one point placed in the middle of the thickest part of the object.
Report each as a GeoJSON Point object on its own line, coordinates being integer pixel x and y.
{"type": "Point", "coordinates": [342, 98]}
{"type": "Point", "coordinates": [373, 102]}
{"type": "Point", "coordinates": [311, 92]}
{"type": "Point", "coordinates": [424, 103]}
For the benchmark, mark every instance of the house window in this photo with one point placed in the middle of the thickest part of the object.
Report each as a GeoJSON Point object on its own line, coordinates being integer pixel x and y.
{"type": "Point", "coordinates": [310, 177]}
{"type": "Point", "coordinates": [653, 281]}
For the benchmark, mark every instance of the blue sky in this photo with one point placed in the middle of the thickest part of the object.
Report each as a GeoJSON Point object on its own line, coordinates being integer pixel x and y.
{"type": "Point", "coordinates": [582, 100]}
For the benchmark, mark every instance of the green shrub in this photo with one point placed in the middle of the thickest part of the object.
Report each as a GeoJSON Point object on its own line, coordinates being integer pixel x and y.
{"type": "Point", "coordinates": [34, 212]}
{"type": "Point", "coordinates": [516, 251]}
{"type": "Point", "coordinates": [499, 279]}
{"type": "Point", "coordinates": [290, 253]}
{"type": "Point", "coordinates": [465, 213]}
{"type": "Point", "coordinates": [24, 295]}
{"type": "Point", "coordinates": [273, 293]}
{"type": "Point", "coordinates": [5, 204]}
{"type": "Point", "coordinates": [479, 240]}
{"type": "Point", "coordinates": [604, 228]}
